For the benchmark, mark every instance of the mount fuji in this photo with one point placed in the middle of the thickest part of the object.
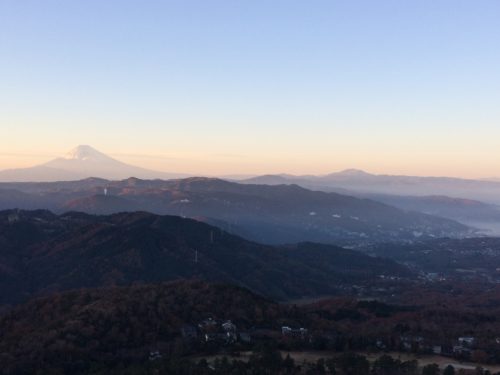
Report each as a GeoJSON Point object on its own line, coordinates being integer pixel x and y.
{"type": "Point", "coordinates": [82, 162]}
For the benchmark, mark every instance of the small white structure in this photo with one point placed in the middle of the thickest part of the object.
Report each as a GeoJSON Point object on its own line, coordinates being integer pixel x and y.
{"type": "Point", "coordinates": [294, 332]}
{"type": "Point", "coordinates": [154, 355]}
{"type": "Point", "coordinates": [466, 340]}
{"type": "Point", "coordinates": [229, 326]}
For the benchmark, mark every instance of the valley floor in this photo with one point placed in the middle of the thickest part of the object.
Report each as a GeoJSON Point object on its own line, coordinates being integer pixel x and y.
{"type": "Point", "coordinates": [313, 356]}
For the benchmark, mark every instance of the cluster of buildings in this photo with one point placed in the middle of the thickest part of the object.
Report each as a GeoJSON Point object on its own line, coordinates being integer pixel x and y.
{"type": "Point", "coordinates": [464, 346]}
{"type": "Point", "coordinates": [300, 333]}
{"type": "Point", "coordinates": [211, 330]}
{"type": "Point", "coordinates": [227, 333]}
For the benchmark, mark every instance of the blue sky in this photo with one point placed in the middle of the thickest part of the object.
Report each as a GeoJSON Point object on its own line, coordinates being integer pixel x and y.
{"type": "Point", "coordinates": [216, 87]}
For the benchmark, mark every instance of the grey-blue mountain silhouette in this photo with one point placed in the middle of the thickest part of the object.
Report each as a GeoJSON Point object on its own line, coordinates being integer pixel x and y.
{"type": "Point", "coordinates": [357, 181]}
{"type": "Point", "coordinates": [263, 213]}
{"type": "Point", "coordinates": [472, 202]}
{"type": "Point", "coordinates": [81, 162]}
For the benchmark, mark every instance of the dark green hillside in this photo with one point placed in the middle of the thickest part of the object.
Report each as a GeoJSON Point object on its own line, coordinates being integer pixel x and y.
{"type": "Point", "coordinates": [42, 253]}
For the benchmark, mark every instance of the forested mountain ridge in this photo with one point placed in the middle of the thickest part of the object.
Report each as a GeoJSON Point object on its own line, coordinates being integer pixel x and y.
{"type": "Point", "coordinates": [267, 214]}
{"type": "Point", "coordinates": [41, 252]}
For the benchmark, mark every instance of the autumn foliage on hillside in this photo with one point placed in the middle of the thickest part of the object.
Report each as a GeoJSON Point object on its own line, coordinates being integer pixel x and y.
{"type": "Point", "coordinates": [108, 328]}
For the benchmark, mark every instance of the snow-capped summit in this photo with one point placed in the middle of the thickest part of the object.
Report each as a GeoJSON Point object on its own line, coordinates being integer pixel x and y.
{"type": "Point", "coordinates": [87, 160]}
{"type": "Point", "coordinates": [82, 162]}
{"type": "Point", "coordinates": [86, 153]}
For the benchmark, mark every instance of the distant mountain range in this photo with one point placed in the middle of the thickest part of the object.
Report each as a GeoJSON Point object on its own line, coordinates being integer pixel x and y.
{"type": "Point", "coordinates": [41, 253]}
{"type": "Point", "coordinates": [472, 202]}
{"type": "Point", "coordinates": [81, 162]}
{"type": "Point", "coordinates": [268, 214]}
{"type": "Point", "coordinates": [85, 173]}
{"type": "Point", "coordinates": [357, 181]}
{"type": "Point", "coordinates": [86, 162]}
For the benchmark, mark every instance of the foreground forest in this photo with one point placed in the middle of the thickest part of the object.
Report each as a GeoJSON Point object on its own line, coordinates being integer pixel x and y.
{"type": "Point", "coordinates": [146, 327]}
{"type": "Point", "coordinates": [141, 293]}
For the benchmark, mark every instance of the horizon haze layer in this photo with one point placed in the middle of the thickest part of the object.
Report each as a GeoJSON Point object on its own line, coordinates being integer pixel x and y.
{"type": "Point", "coordinates": [84, 161]}
{"type": "Point", "coordinates": [255, 87]}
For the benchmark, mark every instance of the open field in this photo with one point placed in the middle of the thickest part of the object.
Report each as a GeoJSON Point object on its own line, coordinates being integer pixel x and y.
{"type": "Point", "coordinates": [314, 356]}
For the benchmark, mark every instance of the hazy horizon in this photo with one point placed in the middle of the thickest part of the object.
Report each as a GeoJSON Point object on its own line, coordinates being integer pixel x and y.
{"type": "Point", "coordinates": [221, 88]}
{"type": "Point", "coordinates": [135, 160]}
